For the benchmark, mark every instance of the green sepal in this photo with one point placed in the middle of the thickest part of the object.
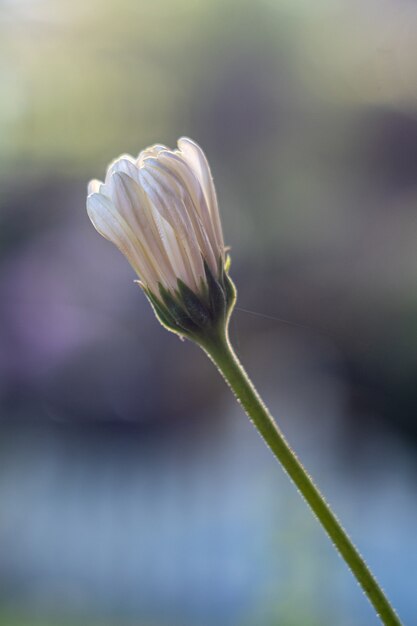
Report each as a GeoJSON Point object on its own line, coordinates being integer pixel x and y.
{"type": "Point", "coordinates": [180, 316]}
{"type": "Point", "coordinates": [195, 306]}
{"type": "Point", "coordinates": [228, 285]}
{"type": "Point", "coordinates": [231, 293]}
{"type": "Point", "coordinates": [216, 294]}
{"type": "Point", "coordinates": [161, 312]}
{"type": "Point", "coordinates": [198, 314]}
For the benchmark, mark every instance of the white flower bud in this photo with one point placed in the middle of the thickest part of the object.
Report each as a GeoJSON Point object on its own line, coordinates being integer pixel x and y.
{"type": "Point", "coordinates": [161, 211]}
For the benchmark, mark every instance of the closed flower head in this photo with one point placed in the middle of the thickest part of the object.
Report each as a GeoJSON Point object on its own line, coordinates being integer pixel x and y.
{"type": "Point", "coordinates": [161, 211]}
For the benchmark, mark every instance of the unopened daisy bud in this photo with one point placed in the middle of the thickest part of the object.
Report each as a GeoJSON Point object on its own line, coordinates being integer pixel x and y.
{"type": "Point", "coordinates": [161, 211]}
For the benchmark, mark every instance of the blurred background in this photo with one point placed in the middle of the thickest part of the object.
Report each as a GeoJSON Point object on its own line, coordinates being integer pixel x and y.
{"type": "Point", "coordinates": [133, 490]}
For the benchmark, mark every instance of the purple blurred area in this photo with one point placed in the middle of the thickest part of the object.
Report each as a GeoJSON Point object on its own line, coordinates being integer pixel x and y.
{"type": "Point", "coordinates": [133, 490]}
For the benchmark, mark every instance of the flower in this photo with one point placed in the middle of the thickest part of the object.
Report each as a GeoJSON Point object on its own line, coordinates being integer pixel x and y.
{"type": "Point", "coordinates": [161, 211]}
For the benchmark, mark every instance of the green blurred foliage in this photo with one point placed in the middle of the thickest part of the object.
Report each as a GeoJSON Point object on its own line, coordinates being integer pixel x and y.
{"type": "Point", "coordinates": [83, 80]}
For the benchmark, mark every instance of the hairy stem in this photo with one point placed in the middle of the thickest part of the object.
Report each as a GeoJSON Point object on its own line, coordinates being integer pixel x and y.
{"type": "Point", "coordinates": [221, 353]}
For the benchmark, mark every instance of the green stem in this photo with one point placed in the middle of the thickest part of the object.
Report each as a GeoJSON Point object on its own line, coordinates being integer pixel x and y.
{"type": "Point", "coordinates": [221, 353]}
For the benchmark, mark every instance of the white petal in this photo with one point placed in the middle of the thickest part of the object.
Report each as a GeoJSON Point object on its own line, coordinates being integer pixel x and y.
{"type": "Point", "coordinates": [109, 223]}
{"type": "Point", "coordinates": [132, 203]}
{"type": "Point", "coordinates": [94, 186]}
{"type": "Point", "coordinates": [175, 177]}
{"type": "Point", "coordinates": [123, 166]}
{"type": "Point", "coordinates": [167, 202]}
{"type": "Point", "coordinates": [150, 152]}
{"type": "Point", "coordinates": [119, 164]}
{"type": "Point", "coordinates": [198, 161]}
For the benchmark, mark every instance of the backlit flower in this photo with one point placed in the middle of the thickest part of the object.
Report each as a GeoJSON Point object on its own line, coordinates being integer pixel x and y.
{"type": "Point", "coordinates": [161, 211]}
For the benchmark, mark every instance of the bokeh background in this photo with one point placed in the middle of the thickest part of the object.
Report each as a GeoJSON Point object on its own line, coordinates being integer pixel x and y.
{"type": "Point", "coordinates": [133, 491]}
